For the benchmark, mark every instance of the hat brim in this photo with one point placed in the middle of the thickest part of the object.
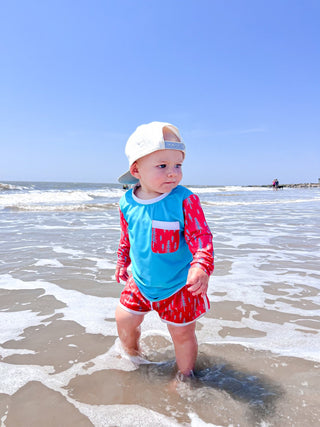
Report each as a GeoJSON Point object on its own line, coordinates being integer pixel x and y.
{"type": "Point", "coordinates": [127, 178]}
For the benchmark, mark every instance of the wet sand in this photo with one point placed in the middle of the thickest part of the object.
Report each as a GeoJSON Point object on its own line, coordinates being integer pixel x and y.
{"type": "Point", "coordinates": [66, 376]}
{"type": "Point", "coordinates": [234, 385]}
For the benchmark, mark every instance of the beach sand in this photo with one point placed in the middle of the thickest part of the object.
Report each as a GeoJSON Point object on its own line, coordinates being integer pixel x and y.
{"type": "Point", "coordinates": [235, 385]}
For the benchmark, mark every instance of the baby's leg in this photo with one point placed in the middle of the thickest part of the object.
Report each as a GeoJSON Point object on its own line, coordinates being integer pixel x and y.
{"type": "Point", "coordinates": [129, 330]}
{"type": "Point", "coordinates": [185, 345]}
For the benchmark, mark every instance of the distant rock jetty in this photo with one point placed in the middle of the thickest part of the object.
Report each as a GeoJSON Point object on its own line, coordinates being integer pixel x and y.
{"type": "Point", "coordinates": [304, 185]}
{"type": "Point", "coordinates": [301, 185]}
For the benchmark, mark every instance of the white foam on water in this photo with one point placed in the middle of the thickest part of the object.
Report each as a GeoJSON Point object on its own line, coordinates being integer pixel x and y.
{"type": "Point", "coordinates": [248, 237]}
{"type": "Point", "coordinates": [245, 284]}
{"type": "Point", "coordinates": [197, 422]}
{"type": "Point", "coordinates": [246, 279]}
{"type": "Point", "coordinates": [73, 252]}
{"type": "Point", "coordinates": [103, 264]}
{"type": "Point", "coordinates": [48, 262]}
{"type": "Point", "coordinates": [13, 377]}
{"type": "Point", "coordinates": [5, 352]}
{"type": "Point", "coordinates": [13, 323]}
{"type": "Point", "coordinates": [109, 250]}
{"type": "Point", "coordinates": [124, 416]}
{"type": "Point", "coordinates": [41, 197]}
{"type": "Point", "coordinates": [106, 193]}
{"type": "Point", "coordinates": [119, 354]}
{"type": "Point", "coordinates": [87, 310]}
{"type": "Point", "coordinates": [210, 190]}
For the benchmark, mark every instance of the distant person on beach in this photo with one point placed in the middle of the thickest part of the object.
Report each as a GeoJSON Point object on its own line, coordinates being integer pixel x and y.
{"type": "Point", "coordinates": [275, 184]}
{"type": "Point", "coordinates": [165, 238]}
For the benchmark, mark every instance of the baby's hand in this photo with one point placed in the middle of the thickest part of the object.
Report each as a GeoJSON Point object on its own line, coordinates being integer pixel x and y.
{"type": "Point", "coordinates": [198, 281]}
{"type": "Point", "coordinates": [121, 273]}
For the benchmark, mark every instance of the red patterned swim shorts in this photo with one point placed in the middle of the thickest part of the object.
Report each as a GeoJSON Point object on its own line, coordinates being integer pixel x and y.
{"type": "Point", "coordinates": [180, 309]}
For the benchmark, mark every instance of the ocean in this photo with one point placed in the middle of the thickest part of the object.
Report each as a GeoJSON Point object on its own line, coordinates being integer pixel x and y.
{"type": "Point", "coordinates": [259, 346]}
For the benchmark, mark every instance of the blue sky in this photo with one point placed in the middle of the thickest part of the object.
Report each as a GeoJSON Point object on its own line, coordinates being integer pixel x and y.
{"type": "Point", "coordinates": [240, 78]}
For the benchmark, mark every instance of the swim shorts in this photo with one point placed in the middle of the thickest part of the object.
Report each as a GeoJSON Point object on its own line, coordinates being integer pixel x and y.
{"type": "Point", "coordinates": [179, 309]}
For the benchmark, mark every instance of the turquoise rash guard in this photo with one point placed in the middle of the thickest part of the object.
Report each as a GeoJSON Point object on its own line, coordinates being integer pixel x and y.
{"type": "Point", "coordinates": [161, 238]}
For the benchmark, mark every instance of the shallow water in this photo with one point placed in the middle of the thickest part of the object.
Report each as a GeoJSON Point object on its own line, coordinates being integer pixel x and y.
{"type": "Point", "coordinates": [259, 344]}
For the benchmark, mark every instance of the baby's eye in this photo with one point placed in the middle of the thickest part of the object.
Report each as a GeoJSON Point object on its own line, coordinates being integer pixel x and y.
{"type": "Point", "coordinates": [179, 166]}
{"type": "Point", "coordinates": [162, 166]}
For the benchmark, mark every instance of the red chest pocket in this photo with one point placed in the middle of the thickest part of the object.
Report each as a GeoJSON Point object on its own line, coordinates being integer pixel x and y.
{"type": "Point", "coordinates": [165, 236]}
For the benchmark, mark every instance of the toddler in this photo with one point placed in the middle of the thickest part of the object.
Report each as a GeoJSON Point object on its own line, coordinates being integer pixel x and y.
{"type": "Point", "coordinates": [165, 238]}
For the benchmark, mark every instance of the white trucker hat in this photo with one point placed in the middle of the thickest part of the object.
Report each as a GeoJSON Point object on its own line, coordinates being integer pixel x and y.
{"type": "Point", "coordinates": [145, 140]}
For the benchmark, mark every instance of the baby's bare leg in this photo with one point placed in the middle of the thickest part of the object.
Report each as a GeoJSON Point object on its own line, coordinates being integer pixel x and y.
{"type": "Point", "coordinates": [185, 345]}
{"type": "Point", "coordinates": [128, 325]}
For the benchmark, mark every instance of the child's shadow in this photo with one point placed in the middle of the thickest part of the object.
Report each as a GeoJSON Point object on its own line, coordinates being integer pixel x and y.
{"type": "Point", "coordinates": [258, 392]}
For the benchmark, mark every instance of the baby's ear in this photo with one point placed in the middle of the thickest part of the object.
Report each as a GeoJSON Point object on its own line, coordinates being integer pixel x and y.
{"type": "Point", "coordinates": [134, 170]}
{"type": "Point", "coordinates": [169, 134]}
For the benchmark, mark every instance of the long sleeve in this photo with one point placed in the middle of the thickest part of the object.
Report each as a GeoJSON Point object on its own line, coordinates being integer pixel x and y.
{"type": "Point", "coordinates": [198, 235]}
{"type": "Point", "coordinates": [124, 244]}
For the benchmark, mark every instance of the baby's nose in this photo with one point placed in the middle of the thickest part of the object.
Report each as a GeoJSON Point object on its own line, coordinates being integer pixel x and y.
{"type": "Point", "coordinates": [172, 171]}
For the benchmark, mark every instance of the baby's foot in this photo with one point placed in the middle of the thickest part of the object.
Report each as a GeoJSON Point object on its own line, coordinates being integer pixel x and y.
{"type": "Point", "coordinates": [178, 381]}
{"type": "Point", "coordinates": [182, 378]}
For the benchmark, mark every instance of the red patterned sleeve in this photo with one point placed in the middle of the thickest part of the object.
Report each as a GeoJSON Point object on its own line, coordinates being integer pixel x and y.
{"type": "Point", "coordinates": [124, 244]}
{"type": "Point", "coordinates": [198, 235]}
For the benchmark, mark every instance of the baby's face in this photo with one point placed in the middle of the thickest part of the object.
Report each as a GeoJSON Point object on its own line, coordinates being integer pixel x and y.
{"type": "Point", "coordinates": [160, 172]}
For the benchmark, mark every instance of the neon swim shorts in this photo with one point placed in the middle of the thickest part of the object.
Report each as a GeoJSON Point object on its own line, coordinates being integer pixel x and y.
{"type": "Point", "coordinates": [179, 309]}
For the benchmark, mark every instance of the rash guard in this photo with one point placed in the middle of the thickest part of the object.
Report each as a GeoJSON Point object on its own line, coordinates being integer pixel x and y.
{"type": "Point", "coordinates": [162, 238]}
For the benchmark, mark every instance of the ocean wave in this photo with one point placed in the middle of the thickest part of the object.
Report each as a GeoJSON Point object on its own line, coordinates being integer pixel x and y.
{"type": "Point", "coordinates": [61, 208]}
{"type": "Point", "coordinates": [40, 200]}
{"type": "Point", "coordinates": [36, 196]}
{"type": "Point", "coordinates": [106, 193]}
{"type": "Point", "coordinates": [11, 187]}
